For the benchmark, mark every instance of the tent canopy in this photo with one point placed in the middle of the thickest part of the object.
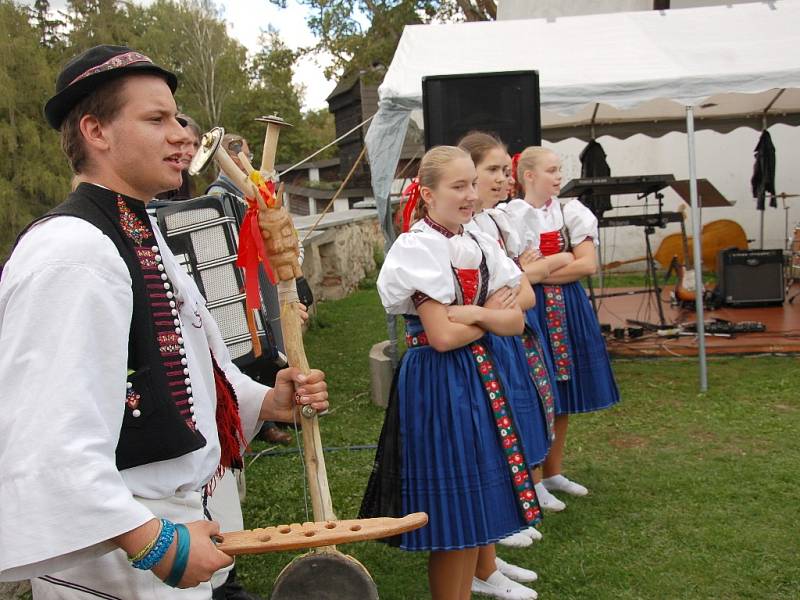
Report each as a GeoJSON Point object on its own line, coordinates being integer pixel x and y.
{"type": "Point", "coordinates": [610, 74]}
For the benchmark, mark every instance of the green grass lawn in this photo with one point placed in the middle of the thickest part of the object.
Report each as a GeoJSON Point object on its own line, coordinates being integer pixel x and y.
{"type": "Point", "coordinates": [692, 496]}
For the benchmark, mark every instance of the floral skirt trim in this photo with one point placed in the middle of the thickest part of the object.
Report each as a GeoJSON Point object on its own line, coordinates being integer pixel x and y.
{"type": "Point", "coordinates": [556, 317]}
{"type": "Point", "coordinates": [535, 355]}
{"type": "Point", "coordinates": [521, 477]}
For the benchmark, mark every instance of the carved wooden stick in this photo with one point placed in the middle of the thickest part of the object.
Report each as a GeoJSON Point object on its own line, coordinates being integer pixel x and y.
{"type": "Point", "coordinates": [315, 535]}
{"type": "Point", "coordinates": [281, 243]}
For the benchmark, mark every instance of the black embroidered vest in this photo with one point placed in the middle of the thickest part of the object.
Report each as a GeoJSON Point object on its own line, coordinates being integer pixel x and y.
{"type": "Point", "coordinates": [159, 420]}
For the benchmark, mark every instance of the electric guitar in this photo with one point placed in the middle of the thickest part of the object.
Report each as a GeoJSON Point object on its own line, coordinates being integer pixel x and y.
{"type": "Point", "coordinates": [685, 288]}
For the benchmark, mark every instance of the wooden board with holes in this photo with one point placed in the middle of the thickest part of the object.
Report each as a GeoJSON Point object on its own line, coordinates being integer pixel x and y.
{"type": "Point", "coordinates": [316, 534]}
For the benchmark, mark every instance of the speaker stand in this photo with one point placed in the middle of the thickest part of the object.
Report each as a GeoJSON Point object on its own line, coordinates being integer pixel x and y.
{"type": "Point", "coordinates": [651, 266]}
{"type": "Point", "coordinates": [654, 288]}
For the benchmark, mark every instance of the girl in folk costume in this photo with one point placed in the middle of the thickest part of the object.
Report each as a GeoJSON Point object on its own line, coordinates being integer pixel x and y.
{"type": "Point", "coordinates": [493, 165]}
{"type": "Point", "coordinates": [449, 445]}
{"type": "Point", "coordinates": [583, 370]}
{"type": "Point", "coordinates": [522, 362]}
{"type": "Point", "coordinates": [521, 244]}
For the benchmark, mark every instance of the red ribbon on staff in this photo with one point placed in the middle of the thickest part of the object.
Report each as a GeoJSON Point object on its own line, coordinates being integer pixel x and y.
{"type": "Point", "coordinates": [251, 247]}
{"type": "Point", "coordinates": [411, 194]}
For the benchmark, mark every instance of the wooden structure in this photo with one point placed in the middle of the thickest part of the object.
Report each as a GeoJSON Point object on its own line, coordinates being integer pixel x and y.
{"type": "Point", "coordinates": [352, 101]}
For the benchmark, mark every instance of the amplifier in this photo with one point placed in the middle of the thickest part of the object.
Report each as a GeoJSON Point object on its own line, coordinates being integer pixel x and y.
{"type": "Point", "coordinates": [751, 277]}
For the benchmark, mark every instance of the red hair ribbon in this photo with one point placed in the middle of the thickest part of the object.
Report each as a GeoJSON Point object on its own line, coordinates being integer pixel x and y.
{"type": "Point", "coordinates": [411, 194]}
{"type": "Point", "coordinates": [251, 247]}
{"type": "Point", "coordinates": [517, 189]}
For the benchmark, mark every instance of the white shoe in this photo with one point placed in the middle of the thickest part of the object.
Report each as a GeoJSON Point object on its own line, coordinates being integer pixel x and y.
{"type": "Point", "coordinates": [500, 586]}
{"type": "Point", "coordinates": [547, 501]}
{"type": "Point", "coordinates": [516, 540]}
{"type": "Point", "coordinates": [532, 533]}
{"type": "Point", "coordinates": [559, 483]}
{"type": "Point", "coordinates": [514, 572]}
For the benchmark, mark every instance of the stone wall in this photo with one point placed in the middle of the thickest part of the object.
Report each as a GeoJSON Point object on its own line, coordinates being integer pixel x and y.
{"type": "Point", "coordinates": [19, 590]}
{"type": "Point", "coordinates": [340, 252]}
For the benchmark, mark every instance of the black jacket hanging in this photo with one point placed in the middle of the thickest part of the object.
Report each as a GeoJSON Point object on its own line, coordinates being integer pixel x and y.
{"type": "Point", "coordinates": [763, 180]}
{"type": "Point", "coordinates": [593, 164]}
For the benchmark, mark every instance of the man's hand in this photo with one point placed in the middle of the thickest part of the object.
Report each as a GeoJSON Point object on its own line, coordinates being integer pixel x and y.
{"type": "Point", "coordinates": [204, 558]}
{"type": "Point", "coordinates": [293, 389]}
{"type": "Point", "coordinates": [302, 310]}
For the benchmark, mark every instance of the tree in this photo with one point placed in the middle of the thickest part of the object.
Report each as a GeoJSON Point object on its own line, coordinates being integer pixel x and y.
{"type": "Point", "coordinates": [212, 65]}
{"type": "Point", "coordinates": [478, 10]}
{"type": "Point", "coordinates": [47, 26]}
{"type": "Point", "coordinates": [92, 22]}
{"type": "Point", "coordinates": [33, 173]}
{"type": "Point", "coordinates": [321, 130]}
{"type": "Point", "coordinates": [218, 85]}
{"type": "Point", "coordinates": [337, 24]}
{"type": "Point", "coordinates": [272, 91]}
{"type": "Point", "coordinates": [189, 38]}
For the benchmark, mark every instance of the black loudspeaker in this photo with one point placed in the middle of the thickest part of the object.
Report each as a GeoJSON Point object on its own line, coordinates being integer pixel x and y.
{"type": "Point", "coordinates": [751, 277]}
{"type": "Point", "coordinates": [203, 234]}
{"type": "Point", "coordinates": [506, 104]}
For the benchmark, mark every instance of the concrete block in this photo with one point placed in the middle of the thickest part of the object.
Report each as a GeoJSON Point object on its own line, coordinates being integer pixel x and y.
{"type": "Point", "coordinates": [380, 373]}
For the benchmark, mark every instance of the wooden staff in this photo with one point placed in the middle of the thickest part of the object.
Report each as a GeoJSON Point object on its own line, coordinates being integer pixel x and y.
{"type": "Point", "coordinates": [344, 576]}
{"type": "Point", "coordinates": [281, 242]}
{"type": "Point", "coordinates": [324, 572]}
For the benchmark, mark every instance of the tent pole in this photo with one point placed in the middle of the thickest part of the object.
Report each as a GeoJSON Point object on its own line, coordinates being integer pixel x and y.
{"type": "Point", "coordinates": [697, 252]}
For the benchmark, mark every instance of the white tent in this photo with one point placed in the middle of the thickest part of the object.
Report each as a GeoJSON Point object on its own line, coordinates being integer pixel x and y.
{"type": "Point", "coordinates": [716, 67]}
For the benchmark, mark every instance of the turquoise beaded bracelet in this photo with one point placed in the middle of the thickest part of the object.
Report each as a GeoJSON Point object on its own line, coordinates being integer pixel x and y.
{"type": "Point", "coordinates": [181, 556]}
{"type": "Point", "coordinates": [152, 558]}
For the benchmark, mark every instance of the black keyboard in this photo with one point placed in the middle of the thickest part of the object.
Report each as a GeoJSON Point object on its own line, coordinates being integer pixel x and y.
{"type": "Point", "coordinates": [627, 184]}
{"type": "Point", "coordinates": [651, 220]}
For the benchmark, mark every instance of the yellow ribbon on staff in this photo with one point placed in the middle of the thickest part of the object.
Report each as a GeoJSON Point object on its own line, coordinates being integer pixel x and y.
{"type": "Point", "coordinates": [263, 188]}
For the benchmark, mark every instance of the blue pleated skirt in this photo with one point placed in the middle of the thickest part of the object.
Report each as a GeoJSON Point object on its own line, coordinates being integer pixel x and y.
{"type": "Point", "coordinates": [440, 453]}
{"type": "Point", "coordinates": [591, 385]}
{"type": "Point", "coordinates": [526, 406]}
{"type": "Point", "coordinates": [453, 467]}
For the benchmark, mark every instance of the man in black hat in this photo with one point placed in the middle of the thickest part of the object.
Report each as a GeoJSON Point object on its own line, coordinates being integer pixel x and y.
{"type": "Point", "coordinates": [120, 402]}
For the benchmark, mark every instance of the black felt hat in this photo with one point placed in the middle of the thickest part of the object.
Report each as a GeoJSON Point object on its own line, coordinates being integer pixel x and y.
{"type": "Point", "coordinates": [85, 72]}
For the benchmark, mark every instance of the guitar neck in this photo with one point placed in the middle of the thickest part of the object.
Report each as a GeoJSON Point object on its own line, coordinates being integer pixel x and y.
{"type": "Point", "coordinates": [619, 263]}
{"type": "Point", "coordinates": [687, 259]}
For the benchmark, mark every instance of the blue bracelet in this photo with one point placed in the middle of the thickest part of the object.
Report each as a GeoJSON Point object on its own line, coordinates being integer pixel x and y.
{"type": "Point", "coordinates": [152, 558]}
{"type": "Point", "coordinates": [181, 556]}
